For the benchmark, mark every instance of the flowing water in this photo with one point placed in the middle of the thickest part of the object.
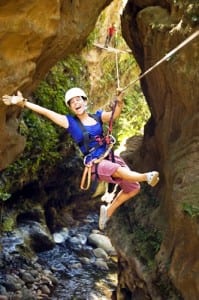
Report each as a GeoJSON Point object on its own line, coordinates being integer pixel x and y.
{"type": "Point", "coordinates": [78, 280]}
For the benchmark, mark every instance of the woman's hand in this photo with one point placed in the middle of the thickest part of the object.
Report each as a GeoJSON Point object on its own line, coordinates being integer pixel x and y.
{"type": "Point", "coordinates": [119, 93]}
{"type": "Point", "coordinates": [14, 100]}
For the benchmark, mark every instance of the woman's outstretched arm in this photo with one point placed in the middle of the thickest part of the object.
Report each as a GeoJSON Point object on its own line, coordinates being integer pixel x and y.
{"type": "Point", "coordinates": [57, 118]}
{"type": "Point", "coordinates": [20, 101]}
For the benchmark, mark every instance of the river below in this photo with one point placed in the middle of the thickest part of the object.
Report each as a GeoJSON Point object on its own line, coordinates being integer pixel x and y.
{"type": "Point", "coordinates": [74, 264]}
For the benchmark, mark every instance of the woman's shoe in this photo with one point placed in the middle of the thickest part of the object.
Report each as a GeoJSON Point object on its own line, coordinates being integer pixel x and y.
{"type": "Point", "coordinates": [153, 178]}
{"type": "Point", "coordinates": [103, 218]}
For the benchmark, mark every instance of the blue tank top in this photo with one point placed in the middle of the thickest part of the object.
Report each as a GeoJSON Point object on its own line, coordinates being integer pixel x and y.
{"type": "Point", "coordinates": [76, 133]}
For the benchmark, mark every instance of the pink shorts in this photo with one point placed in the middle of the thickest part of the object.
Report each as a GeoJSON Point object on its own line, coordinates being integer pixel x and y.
{"type": "Point", "coordinates": [106, 168]}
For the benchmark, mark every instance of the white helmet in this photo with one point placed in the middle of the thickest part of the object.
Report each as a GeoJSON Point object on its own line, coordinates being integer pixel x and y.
{"type": "Point", "coordinates": [74, 92]}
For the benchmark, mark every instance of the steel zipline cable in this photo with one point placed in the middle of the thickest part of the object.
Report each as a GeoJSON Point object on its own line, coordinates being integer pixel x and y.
{"type": "Point", "coordinates": [166, 57]}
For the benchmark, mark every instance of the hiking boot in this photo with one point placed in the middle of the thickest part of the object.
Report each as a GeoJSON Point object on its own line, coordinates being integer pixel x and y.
{"type": "Point", "coordinates": [103, 218]}
{"type": "Point", "coordinates": [152, 178]}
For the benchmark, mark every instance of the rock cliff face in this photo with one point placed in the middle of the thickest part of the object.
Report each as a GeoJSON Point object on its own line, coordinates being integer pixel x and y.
{"type": "Point", "coordinates": [35, 34]}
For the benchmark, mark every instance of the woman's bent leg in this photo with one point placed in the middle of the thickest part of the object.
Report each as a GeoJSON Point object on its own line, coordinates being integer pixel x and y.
{"type": "Point", "coordinates": [126, 174]}
{"type": "Point", "coordinates": [107, 211]}
{"type": "Point", "coordinates": [119, 200]}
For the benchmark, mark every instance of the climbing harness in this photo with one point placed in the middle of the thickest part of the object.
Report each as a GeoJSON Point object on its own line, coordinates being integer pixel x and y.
{"type": "Point", "coordinates": [117, 70]}
{"type": "Point", "coordinates": [86, 137]}
{"type": "Point", "coordinates": [87, 173]}
{"type": "Point", "coordinates": [109, 140]}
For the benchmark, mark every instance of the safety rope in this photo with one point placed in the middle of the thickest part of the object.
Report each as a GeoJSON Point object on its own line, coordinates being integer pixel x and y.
{"type": "Point", "coordinates": [117, 70]}
{"type": "Point", "coordinates": [166, 57]}
{"type": "Point", "coordinates": [117, 67]}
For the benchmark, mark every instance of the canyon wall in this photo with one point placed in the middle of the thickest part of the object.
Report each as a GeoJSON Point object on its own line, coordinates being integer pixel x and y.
{"type": "Point", "coordinates": [171, 145]}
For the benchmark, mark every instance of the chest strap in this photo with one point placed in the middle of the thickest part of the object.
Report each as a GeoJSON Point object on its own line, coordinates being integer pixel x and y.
{"type": "Point", "coordinates": [86, 137]}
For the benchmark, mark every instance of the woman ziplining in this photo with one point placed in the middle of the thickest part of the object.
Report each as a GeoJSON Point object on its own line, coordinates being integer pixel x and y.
{"type": "Point", "coordinates": [97, 148]}
{"type": "Point", "coordinates": [87, 132]}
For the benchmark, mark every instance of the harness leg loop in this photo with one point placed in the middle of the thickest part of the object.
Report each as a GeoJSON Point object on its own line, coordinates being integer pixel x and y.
{"type": "Point", "coordinates": [86, 178]}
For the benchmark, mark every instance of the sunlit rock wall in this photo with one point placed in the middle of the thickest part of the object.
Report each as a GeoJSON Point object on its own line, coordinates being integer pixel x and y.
{"type": "Point", "coordinates": [34, 35]}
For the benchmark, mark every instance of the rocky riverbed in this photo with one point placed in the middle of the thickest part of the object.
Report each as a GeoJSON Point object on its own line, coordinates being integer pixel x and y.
{"type": "Point", "coordinates": [82, 264]}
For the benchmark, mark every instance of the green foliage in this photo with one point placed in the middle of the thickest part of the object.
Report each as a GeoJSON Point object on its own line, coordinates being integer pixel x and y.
{"type": "Point", "coordinates": [92, 38]}
{"type": "Point", "coordinates": [134, 116]}
{"type": "Point", "coordinates": [41, 147]}
{"type": "Point", "coordinates": [109, 74]}
{"type": "Point", "coordinates": [191, 210]}
{"type": "Point", "coordinates": [147, 243]}
{"type": "Point", "coordinates": [4, 196]}
{"type": "Point", "coordinates": [42, 134]}
{"type": "Point", "coordinates": [7, 224]}
{"type": "Point", "coordinates": [135, 112]}
{"type": "Point", "coordinates": [95, 34]}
